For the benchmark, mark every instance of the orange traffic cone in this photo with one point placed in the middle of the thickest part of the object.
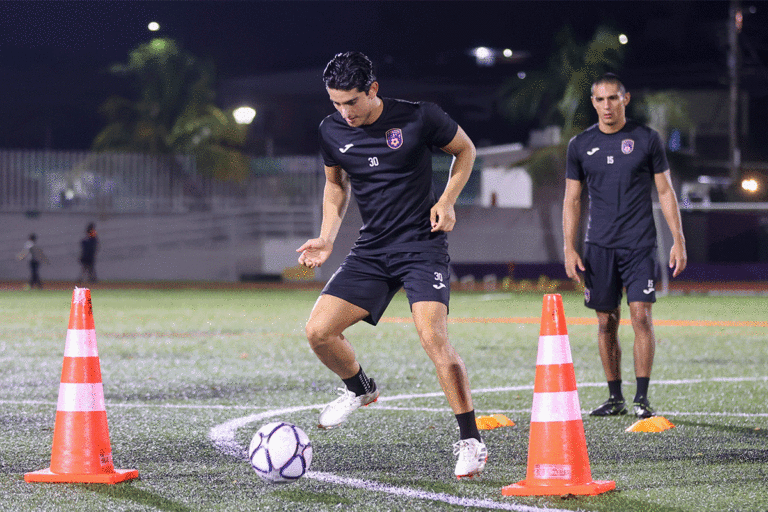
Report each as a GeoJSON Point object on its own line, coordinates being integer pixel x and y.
{"type": "Point", "coordinates": [81, 451]}
{"type": "Point", "coordinates": [557, 449]}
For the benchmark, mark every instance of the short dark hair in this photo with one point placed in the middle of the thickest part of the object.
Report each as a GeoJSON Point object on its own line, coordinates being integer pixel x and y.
{"type": "Point", "coordinates": [609, 78]}
{"type": "Point", "coordinates": [349, 70]}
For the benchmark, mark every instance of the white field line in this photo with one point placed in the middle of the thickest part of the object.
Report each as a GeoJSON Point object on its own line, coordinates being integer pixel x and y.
{"type": "Point", "coordinates": [450, 499]}
{"type": "Point", "coordinates": [223, 437]}
{"type": "Point", "coordinates": [143, 406]}
{"type": "Point", "coordinates": [437, 394]}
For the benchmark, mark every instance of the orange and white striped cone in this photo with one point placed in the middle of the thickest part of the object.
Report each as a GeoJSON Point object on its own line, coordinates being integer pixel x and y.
{"type": "Point", "coordinates": [81, 450]}
{"type": "Point", "coordinates": [558, 463]}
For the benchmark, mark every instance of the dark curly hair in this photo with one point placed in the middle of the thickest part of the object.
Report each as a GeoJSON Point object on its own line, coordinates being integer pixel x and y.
{"type": "Point", "coordinates": [349, 70]}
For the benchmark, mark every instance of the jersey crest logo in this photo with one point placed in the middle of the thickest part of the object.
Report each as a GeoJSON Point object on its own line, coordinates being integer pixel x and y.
{"type": "Point", "coordinates": [394, 138]}
{"type": "Point", "coordinates": [627, 145]}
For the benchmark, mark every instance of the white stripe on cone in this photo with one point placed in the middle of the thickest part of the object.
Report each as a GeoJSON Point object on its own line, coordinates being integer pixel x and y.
{"type": "Point", "coordinates": [79, 295]}
{"type": "Point", "coordinates": [81, 397]}
{"type": "Point", "coordinates": [81, 343]}
{"type": "Point", "coordinates": [554, 350]}
{"type": "Point", "coordinates": [556, 406]}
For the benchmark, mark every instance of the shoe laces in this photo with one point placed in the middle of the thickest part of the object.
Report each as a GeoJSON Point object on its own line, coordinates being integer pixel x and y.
{"type": "Point", "coordinates": [345, 395]}
{"type": "Point", "coordinates": [462, 448]}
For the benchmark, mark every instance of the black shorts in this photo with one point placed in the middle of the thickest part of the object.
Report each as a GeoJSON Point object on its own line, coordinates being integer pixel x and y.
{"type": "Point", "coordinates": [370, 281]}
{"type": "Point", "coordinates": [610, 270]}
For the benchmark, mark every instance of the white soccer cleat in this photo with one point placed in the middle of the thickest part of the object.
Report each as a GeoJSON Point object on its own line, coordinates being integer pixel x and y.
{"type": "Point", "coordinates": [472, 457]}
{"type": "Point", "coordinates": [337, 412]}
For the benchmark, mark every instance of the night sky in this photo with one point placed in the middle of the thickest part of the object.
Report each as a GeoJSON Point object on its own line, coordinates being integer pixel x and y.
{"type": "Point", "coordinates": [54, 54]}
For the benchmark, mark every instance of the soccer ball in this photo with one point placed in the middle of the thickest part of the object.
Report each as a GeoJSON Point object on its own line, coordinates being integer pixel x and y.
{"type": "Point", "coordinates": [280, 452]}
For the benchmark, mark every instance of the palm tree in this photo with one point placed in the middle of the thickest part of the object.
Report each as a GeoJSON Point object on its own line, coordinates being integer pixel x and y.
{"type": "Point", "coordinates": [173, 112]}
{"type": "Point", "coordinates": [558, 95]}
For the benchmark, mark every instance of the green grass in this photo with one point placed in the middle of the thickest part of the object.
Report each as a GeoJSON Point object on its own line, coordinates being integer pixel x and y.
{"type": "Point", "coordinates": [178, 363]}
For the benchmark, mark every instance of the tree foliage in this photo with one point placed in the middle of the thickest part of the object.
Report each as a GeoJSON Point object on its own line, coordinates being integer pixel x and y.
{"type": "Point", "coordinates": [559, 94]}
{"type": "Point", "coordinates": [173, 111]}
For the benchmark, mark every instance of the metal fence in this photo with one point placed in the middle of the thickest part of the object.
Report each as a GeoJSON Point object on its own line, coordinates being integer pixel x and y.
{"type": "Point", "coordinates": [49, 181]}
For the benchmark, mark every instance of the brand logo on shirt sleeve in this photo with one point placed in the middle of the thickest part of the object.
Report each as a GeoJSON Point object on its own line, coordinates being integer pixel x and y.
{"type": "Point", "coordinates": [346, 148]}
{"type": "Point", "coordinates": [394, 138]}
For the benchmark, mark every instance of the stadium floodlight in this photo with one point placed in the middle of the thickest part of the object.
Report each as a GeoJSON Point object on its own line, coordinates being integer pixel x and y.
{"type": "Point", "coordinates": [153, 26]}
{"type": "Point", "coordinates": [244, 115]}
{"type": "Point", "coordinates": [623, 39]}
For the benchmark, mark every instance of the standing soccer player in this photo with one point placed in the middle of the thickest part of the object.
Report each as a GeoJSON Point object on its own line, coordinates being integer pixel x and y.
{"type": "Point", "coordinates": [620, 161]}
{"type": "Point", "coordinates": [380, 149]}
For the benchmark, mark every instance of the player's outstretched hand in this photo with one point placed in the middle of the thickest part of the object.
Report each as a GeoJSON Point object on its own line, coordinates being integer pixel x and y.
{"type": "Point", "coordinates": [314, 252]}
{"type": "Point", "coordinates": [573, 264]}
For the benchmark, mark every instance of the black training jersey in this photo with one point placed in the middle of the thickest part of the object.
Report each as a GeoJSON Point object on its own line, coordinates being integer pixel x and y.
{"type": "Point", "coordinates": [619, 170]}
{"type": "Point", "coordinates": [389, 164]}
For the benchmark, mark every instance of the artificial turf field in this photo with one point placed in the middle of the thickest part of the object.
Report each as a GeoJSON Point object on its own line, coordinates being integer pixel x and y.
{"type": "Point", "coordinates": [189, 375]}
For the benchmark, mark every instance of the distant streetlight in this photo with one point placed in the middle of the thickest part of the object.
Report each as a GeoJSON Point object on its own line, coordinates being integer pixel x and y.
{"type": "Point", "coordinates": [623, 39]}
{"type": "Point", "coordinates": [244, 115]}
{"type": "Point", "coordinates": [484, 56]}
{"type": "Point", "coordinates": [153, 26]}
{"type": "Point", "coordinates": [750, 185]}
{"type": "Point", "coordinates": [487, 57]}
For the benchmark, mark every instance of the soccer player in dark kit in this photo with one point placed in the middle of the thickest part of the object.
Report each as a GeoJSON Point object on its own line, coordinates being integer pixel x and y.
{"type": "Point", "coordinates": [380, 150]}
{"type": "Point", "coordinates": [620, 161]}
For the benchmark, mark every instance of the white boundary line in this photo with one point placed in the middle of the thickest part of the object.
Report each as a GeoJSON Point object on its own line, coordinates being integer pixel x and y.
{"type": "Point", "coordinates": [438, 394]}
{"type": "Point", "coordinates": [223, 438]}
{"type": "Point", "coordinates": [425, 495]}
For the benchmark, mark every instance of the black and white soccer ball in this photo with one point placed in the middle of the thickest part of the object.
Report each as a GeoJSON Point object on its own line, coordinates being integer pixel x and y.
{"type": "Point", "coordinates": [280, 452]}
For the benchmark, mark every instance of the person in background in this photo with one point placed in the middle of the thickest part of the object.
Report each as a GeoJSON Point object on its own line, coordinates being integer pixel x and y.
{"type": "Point", "coordinates": [89, 245]}
{"type": "Point", "coordinates": [620, 161]}
{"type": "Point", "coordinates": [36, 256]}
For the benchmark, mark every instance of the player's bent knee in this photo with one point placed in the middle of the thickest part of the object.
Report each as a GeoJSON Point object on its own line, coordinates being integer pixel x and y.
{"type": "Point", "coordinates": [317, 335]}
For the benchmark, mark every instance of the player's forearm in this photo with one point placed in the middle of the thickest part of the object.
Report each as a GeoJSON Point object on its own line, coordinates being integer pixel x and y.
{"type": "Point", "coordinates": [671, 211]}
{"type": "Point", "coordinates": [335, 203]}
{"type": "Point", "coordinates": [461, 169]}
{"type": "Point", "coordinates": [571, 219]}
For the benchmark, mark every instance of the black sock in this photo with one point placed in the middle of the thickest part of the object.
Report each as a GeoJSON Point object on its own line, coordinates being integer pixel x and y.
{"type": "Point", "coordinates": [360, 384]}
{"type": "Point", "coordinates": [468, 425]}
{"type": "Point", "coordinates": [642, 387]}
{"type": "Point", "coordinates": [614, 389]}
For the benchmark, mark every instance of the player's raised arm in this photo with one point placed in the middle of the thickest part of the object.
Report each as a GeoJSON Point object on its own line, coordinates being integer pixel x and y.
{"type": "Point", "coordinates": [315, 252]}
{"type": "Point", "coordinates": [442, 215]}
